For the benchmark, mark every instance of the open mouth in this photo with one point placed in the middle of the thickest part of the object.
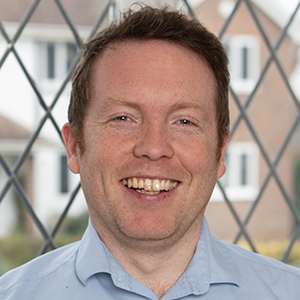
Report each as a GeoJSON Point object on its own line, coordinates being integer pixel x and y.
{"type": "Point", "coordinates": [149, 186]}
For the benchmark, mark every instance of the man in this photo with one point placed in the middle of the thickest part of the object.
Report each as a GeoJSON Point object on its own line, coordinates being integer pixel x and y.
{"type": "Point", "coordinates": [147, 133]}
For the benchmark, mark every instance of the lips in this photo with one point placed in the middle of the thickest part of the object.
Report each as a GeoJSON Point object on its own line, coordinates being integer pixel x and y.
{"type": "Point", "coordinates": [149, 186]}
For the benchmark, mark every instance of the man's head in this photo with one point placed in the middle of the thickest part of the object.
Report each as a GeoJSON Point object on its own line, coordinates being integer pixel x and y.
{"type": "Point", "coordinates": [148, 107]}
{"type": "Point", "coordinates": [144, 25]}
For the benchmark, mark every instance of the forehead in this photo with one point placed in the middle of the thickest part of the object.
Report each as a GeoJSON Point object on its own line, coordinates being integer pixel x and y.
{"type": "Point", "coordinates": [157, 68]}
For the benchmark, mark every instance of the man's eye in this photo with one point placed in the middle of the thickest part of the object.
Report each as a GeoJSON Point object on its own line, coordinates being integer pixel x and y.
{"type": "Point", "coordinates": [185, 122]}
{"type": "Point", "coordinates": [123, 118]}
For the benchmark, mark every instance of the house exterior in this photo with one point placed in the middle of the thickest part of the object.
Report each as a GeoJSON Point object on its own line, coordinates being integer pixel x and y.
{"type": "Point", "coordinates": [12, 139]}
{"type": "Point", "coordinates": [40, 177]}
{"type": "Point", "coordinates": [272, 112]}
{"type": "Point", "coordinates": [47, 48]}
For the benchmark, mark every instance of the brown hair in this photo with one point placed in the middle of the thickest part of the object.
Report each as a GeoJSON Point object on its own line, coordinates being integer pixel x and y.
{"type": "Point", "coordinates": [147, 24]}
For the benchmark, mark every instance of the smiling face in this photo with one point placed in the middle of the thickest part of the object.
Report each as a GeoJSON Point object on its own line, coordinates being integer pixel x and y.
{"type": "Point", "coordinates": [149, 165]}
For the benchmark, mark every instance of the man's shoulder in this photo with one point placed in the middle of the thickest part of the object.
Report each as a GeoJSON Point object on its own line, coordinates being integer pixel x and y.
{"type": "Point", "coordinates": [258, 263]}
{"type": "Point", "coordinates": [39, 267]}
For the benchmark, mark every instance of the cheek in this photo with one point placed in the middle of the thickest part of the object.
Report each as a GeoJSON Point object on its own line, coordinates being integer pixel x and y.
{"type": "Point", "coordinates": [197, 154]}
{"type": "Point", "coordinates": [202, 168]}
{"type": "Point", "coordinates": [103, 143]}
{"type": "Point", "coordinates": [106, 153]}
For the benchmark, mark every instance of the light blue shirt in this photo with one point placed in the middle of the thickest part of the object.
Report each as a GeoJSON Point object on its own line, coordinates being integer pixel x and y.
{"type": "Point", "coordinates": [87, 270]}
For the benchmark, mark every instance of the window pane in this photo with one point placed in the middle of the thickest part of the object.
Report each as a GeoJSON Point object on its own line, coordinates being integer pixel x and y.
{"type": "Point", "coordinates": [64, 175]}
{"type": "Point", "coordinates": [244, 179]}
{"type": "Point", "coordinates": [71, 53]}
{"type": "Point", "coordinates": [50, 61]}
{"type": "Point", "coordinates": [245, 59]}
{"type": "Point", "coordinates": [113, 11]}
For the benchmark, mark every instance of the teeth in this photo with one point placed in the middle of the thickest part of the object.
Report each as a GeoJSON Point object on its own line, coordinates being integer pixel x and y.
{"type": "Point", "coordinates": [155, 185]}
{"type": "Point", "coordinates": [148, 186]}
{"type": "Point", "coordinates": [134, 183]}
{"type": "Point", "coordinates": [167, 186]}
{"type": "Point", "coordinates": [147, 192]}
{"type": "Point", "coordinates": [129, 184]}
{"type": "Point", "coordinates": [141, 184]}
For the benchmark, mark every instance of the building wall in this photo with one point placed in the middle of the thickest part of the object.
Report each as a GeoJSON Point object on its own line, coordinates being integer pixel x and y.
{"type": "Point", "coordinates": [20, 105]}
{"type": "Point", "coordinates": [8, 216]}
{"type": "Point", "coordinates": [15, 92]}
{"type": "Point", "coordinates": [50, 200]}
{"type": "Point", "coordinates": [272, 113]}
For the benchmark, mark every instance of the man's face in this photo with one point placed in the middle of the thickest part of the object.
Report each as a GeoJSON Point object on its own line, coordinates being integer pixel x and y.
{"type": "Point", "coordinates": [150, 136]}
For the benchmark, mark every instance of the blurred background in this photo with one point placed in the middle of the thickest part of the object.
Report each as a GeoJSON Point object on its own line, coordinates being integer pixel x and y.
{"type": "Point", "coordinates": [255, 205]}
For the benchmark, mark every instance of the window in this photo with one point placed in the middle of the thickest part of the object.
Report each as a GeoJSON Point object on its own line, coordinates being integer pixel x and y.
{"type": "Point", "coordinates": [64, 175]}
{"type": "Point", "coordinates": [50, 61]}
{"type": "Point", "coordinates": [56, 59]}
{"type": "Point", "coordinates": [243, 54]}
{"type": "Point", "coordinates": [114, 10]}
{"type": "Point", "coordinates": [241, 178]}
{"type": "Point", "coordinates": [71, 53]}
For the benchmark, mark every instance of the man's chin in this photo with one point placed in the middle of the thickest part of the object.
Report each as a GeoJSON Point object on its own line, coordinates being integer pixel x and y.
{"type": "Point", "coordinates": [149, 233]}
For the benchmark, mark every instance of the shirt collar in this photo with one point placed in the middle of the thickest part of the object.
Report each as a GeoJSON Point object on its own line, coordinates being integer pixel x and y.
{"type": "Point", "coordinates": [211, 263]}
{"type": "Point", "coordinates": [92, 256]}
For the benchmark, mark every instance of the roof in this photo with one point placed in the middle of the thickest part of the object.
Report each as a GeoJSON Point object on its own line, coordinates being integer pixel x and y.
{"type": "Point", "coordinates": [277, 10]}
{"type": "Point", "coordinates": [47, 12]}
{"type": "Point", "coordinates": [280, 12]}
{"type": "Point", "coordinates": [85, 12]}
{"type": "Point", "coordinates": [14, 138]}
{"type": "Point", "coordinates": [11, 130]}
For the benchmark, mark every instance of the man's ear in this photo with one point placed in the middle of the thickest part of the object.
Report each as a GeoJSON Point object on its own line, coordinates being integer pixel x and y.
{"type": "Point", "coordinates": [222, 167]}
{"type": "Point", "coordinates": [71, 146]}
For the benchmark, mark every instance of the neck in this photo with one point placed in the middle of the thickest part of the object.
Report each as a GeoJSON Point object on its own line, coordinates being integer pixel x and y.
{"type": "Point", "coordinates": [157, 267]}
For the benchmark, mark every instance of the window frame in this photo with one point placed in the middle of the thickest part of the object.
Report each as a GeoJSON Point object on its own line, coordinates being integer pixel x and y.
{"type": "Point", "coordinates": [64, 176]}
{"type": "Point", "coordinates": [231, 181]}
{"type": "Point", "coordinates": [236, 46]}
{"type": "Point", "coordinates": [60, 59]}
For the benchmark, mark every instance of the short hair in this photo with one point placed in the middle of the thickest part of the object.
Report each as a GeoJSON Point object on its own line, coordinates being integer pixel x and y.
{"type": "Point", "coordinates": [146, 24]}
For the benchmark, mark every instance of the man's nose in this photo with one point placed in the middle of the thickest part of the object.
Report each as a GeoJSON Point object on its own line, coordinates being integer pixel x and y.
{"type": "Point", "coordinates": [154, 143]}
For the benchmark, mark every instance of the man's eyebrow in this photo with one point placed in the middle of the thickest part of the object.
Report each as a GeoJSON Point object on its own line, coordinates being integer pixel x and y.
{"type": "Point", "coordinates": [115, 101]}
{"type": "Point", "coordinates": [110, 102]}
{"type": "Point", "coordinates": [186, 104]}
{"type": "Point", "coordinates": [181, 104]}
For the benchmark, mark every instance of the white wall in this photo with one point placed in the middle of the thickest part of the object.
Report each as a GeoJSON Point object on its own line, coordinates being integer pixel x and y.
{"type": "Point", "coordinates": [18, 102]}
{"type": "Point", "coordinates": [16, 95]}
{"type": "Point", "coordinates": [49, 201]}
{"type": "Point", "coordinates": [8, 216]}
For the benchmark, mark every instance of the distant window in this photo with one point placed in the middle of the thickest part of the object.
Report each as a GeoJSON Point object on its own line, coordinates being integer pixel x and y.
{"type": "Point", "coordinates": [243, 54]}
{"type": "Point", "coordinates": [50, 61]}
{"type": "Point", "coordinates": [56, 59]}
{"type": "Point", "coordinates": [113, 11]}
{"type": "Point", "coordinates": [241, 178]}
{"type": "Point", "coordinates": [71, 53]}
{"type": "Point", "coordinates": [64, 175]}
